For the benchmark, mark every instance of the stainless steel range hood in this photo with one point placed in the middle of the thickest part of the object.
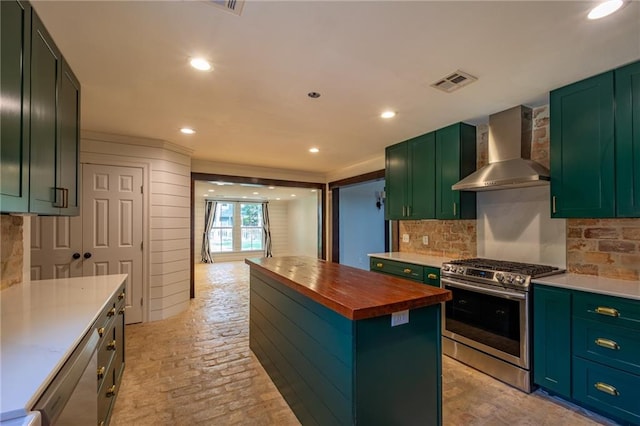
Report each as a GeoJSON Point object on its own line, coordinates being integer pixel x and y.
{"type": "Point", "coordinates": [510, 164]}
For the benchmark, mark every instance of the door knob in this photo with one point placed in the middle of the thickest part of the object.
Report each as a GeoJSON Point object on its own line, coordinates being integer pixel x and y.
{"type": "Point", "coordinates": [76, 255]}
{"type": "Point", "coordinates": [87, 255]}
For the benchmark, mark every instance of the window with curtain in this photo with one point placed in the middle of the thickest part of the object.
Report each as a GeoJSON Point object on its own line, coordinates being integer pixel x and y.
{"type": "Point", "coordinates": [237, 227]}
{"type": "Point", "coordinates": [221, 235]}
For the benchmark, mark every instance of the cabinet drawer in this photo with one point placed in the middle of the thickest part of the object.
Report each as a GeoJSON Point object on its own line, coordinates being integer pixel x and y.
{"type": "Point", "coordinates": [610, 345]}
{"type": "Point", "coordinates": [399, 269]}
{"type": "Point", "coordinates": [106, 396]}
{"type": "Point", "coordinates": [606, 389]}
{"type": "Point", "coordinates": [432, 276]}
{"type": "Point", "coordinates": [607, 309]}
{"type": "Point", "coordinates": [108, 348]}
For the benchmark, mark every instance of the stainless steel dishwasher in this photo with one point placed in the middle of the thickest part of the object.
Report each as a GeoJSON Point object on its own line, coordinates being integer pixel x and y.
{"type": "Point", "coordinates": [72, 396]}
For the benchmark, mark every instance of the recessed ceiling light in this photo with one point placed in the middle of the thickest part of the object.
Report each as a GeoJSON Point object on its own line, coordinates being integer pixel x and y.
{"type": "Point", "coordinates": [293, 195]}
{"type": "Point", "coordinates": [201, 64]}
{"type": "Point", "coordinates": [212, 190]}
{"type": "Point", "coordinates": [388, 114]}
{"type": "Point", "coordinates": [205, 195]}
{"type": "Point", "coordinates": [244, 196]}
{"type": "Point", "coordinates": [605, 8]}
{"type": "Point", "coordinates": [256, 193]}
{"type": "Point", "coordinates": [187, 130]}
{"type": "Point", "coordinates": [313, 190]}
{"type": "Point", "coordinates": [278, 199]}
{"type": "Point", "coordinates": [272, 187]}
{"type": "Point", "coordinates": [314, 150]}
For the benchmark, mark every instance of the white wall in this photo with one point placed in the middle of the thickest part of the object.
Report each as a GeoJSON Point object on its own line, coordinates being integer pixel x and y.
{"type": "Point", "coordinates": [515, 224]}
{"type": "Point", "coordinates": [167, 180]}
{"type": "Point", "coordinates": [303, 227]}
{"type": "Point", "coordinates": [361, 224]}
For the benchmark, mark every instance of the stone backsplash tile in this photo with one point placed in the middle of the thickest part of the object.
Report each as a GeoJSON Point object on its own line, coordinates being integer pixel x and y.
{"type": "Point", "coordinates": [604, 247]}
{"type": "Point", "coordinates": [448, 238]}
{"type": "Point", "coordinates": [11, 251]}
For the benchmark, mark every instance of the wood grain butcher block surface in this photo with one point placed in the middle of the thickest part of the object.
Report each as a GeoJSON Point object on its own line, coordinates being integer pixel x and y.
{"type": "Point", "coordinates": [353, 293]}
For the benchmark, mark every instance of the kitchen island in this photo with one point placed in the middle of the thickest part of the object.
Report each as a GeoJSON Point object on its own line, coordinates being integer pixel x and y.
{"type": "Point", "coordinates": [347, 346]}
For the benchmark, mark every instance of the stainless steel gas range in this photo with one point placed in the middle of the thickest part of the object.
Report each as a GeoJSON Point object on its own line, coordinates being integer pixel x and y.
{"type": "Point", "coordinates": [487, 323]}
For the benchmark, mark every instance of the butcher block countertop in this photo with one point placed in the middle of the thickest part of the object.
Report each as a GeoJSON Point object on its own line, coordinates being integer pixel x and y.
{"type": "Point", "coordinates": [353, 293]}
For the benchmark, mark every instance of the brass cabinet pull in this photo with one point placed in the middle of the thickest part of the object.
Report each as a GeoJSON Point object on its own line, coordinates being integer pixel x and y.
{"type": "Point", "coordinates": [603, 387]}
{"type": "Point", "coordinates": [454, 208]}
{"type": "Point", "coordinates": [111, 312]}
{"type": "Point", "coordinates": [404, 211]}
{"type": "Point", "coordinates": [407, 270]}
{"type": "Point", "coordinates": [101, 371]}
{"type": "Point", "coordinates": [121, 311]}
{"type": "Point", "coordinates": [121, 295]}
{"type": "Point", "coordinates": [111, 346]}
{"type": "Point", "coordinates": [606, 343]}
{"type": "Point", "coordinates": [602, 310]}
{"type": "Point", "coordinates": [408, 210]}
{"type": "Point", "coordinates": [432, 276]}
{"type": "Point", "coordinates": [111, 391]}
{"type": "Point", "coordinates": [101, 331]}
{"type": "Point", "coordinates": [379, 265]}
{"type": "Point", "coordinates": [553, 204]}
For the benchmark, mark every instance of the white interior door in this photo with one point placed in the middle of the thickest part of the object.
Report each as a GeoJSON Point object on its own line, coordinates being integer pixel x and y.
{"type": "Point", "coordinates": [56, 245]}
{"type": "Point", "coordinates": [112, 228]}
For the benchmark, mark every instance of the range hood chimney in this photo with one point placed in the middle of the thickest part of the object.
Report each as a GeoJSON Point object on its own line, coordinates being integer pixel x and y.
{"type": "Point", "coordinates": [510, 164]}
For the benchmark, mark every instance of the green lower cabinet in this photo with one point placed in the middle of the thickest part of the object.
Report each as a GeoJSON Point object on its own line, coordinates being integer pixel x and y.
{"type": "Point", "coordinates": [607, 390]}
{"type": "Point", "coordinates": [432, 276]}
{"type": "Point", "coordinates": [552, 339]}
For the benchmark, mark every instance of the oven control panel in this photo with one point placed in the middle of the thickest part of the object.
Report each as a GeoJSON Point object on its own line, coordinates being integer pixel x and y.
{"type": "Point", "coordinates": [506, 279]}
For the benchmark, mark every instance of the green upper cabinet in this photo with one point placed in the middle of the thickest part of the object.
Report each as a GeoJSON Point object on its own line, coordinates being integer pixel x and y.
{"type": "Point", "coordinates": [46, 62]}
{"type": "Point", "coordinates": [455, 159]}
{"type": "Point", "coordinates": [41, 130]}
{"type": "Point", "coordinates": [627, 95]}
{"type": "Point", "coordinates": [410, 178]}
{"type": "Point", "coordinates": [582, 148]}
{"type": "Point", "coordinates": [14, 138]}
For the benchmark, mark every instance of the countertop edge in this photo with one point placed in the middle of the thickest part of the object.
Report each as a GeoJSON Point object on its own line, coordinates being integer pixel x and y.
{"type": "Point", "coordinates": [593, 284]}
{"type": "Point", "coordinates": [345, 311]}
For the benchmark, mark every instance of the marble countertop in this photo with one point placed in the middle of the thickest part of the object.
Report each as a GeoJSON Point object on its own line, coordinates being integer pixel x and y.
{"type": "Point", "coordinates": [417, 259]}
{"type": "Point", "coordinates": [41, 323]}
{"type": "Point", "coordinates": [593, 284]}
{"type": "Point", "coordinates": [353, 293]}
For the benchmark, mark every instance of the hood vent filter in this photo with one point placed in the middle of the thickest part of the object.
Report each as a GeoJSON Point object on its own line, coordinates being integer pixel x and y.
{"type": "Point", "coordinates": [233, 6]}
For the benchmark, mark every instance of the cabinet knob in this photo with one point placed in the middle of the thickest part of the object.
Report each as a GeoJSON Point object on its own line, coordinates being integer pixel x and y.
{"type": "Point", "coordinates": [87, 255]}
{"type": "Point", "coordinates": [111, 346]}
{"type": "Point", "coordinates": [111, 391]}
{"type": "Point", "coordinates": [101, 371]}
{"type": "Point", "coordinates": [76, 255]}
{"type": "Point", "coordinates": [101, 331]}
{"type": "Point", "coordinates": [610, 312]}
{"type": "Point", "coordinates": [111, 312]}
{"type": "Point", "coordinates": [121, 311]}
{"type": "Point", "coordinates": [379, 265]}
{"type": "Point", "coordinates": [407, 271]}
{"type": "Point", "coordinates": [121, 295]}
{"type": "Point", "coordinates": [606, 388]}
{"type": "Point", "coordinates": [432, 276]}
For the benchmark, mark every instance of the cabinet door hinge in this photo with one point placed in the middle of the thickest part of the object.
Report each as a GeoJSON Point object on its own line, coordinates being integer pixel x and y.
{"type": "Point", "coordinates": [142, 189]}
{"type": "Point", "coordinates": [141, 301]}
{"type": "Point", "coordinates": [141, 245]}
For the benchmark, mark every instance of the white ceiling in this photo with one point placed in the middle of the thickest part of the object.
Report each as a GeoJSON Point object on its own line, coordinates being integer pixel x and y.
{"type": "Point", "coordinates": [250, 192]}
{"type": "Point", "coordinates": [362, 56]}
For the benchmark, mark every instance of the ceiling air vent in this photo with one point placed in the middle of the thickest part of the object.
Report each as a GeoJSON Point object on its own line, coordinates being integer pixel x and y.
{"type": "Point", "coordinates": [233, 6]}
{"type": "Point", "coordinates": [454, 81]}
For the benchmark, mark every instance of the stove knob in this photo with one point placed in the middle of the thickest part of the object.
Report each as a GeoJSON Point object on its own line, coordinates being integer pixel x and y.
{"type": "Point", "coordinates": [509, 279]}
{"type": "Point", "coordinates": [445, 268]}
{"type": "Point", "coordinates": [460, 270]}
{"type": "Point", "coordinates": [520, 279]}
{"type": "Point", "coordinates": [499, 277]}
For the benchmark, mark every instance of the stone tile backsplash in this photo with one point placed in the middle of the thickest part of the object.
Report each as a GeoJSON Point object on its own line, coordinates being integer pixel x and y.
{"type": "Point", "coordinates": [11, 251]}
{"type": "Point", "coordinates": [448, 238]}
{"type": "Point", "coordinates": [605, 247]}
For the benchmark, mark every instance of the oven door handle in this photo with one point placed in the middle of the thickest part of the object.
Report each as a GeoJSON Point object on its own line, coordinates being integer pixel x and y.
{"type": "Point", "coordinates": [479, 289]}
